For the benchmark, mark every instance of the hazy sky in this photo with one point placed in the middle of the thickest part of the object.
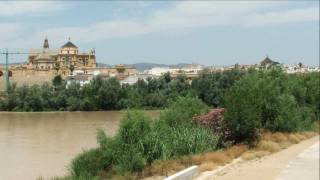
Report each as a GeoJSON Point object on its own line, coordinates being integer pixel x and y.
{"type": "Point", "coordinates": [205, 32]}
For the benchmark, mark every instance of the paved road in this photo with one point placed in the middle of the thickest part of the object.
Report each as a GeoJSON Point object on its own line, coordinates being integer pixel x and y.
{"type": "Point", "coordinates": [305, 166]}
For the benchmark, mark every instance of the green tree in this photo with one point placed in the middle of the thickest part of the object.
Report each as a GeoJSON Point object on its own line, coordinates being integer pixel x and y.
{"type": "Point", "coordinates": [71, 68]}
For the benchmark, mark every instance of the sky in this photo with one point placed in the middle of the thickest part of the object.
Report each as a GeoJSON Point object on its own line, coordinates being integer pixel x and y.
{"type": "Point", "coordinates": [168, 32]}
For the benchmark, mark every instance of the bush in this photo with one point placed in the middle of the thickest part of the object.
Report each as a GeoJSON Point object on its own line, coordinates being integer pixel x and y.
{"type": "Point", "coordinates": [88, 164]}
{"type": "Point", "coordinates": [214, 120]}
{"type": "Point", "coordinates": [181, 111]}
{"type": "Point", "coordinates": [267, 99]}
{"type": "Point", "coordinates": [141, 141]}
{"type": "Point", "coordinates": [242, 114]}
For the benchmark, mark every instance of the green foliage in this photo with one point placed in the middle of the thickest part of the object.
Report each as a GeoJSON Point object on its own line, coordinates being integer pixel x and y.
{"type": "Point", "coordinates": [182, 110]}
{"type": "Point", "coordinates": [134, 127]}
{"type": "Point", "coordinates": [210, 86]}
{"type": "Point", "coordinates": [272, 100]}
{"type": "Point", "coordinates": [57, 81]}
{"type": "Point", "coordinates": [241, 104]}
{"type": "Point", "coordinates": [88, 164]}
{"type": "Point", "coordinates": [291, 118]}
{"type": "Point", "coordinates": [140, 140]}
{"type": "Point", "coordinates": [154, 93]}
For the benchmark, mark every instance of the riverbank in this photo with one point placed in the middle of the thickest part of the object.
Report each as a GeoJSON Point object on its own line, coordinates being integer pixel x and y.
{"type": "Point", "coordinates": [209, 162]}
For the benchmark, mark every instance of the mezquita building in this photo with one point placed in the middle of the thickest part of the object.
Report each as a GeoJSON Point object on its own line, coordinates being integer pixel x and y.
{"type": "Point", "coordinates": [44, 64]}
{"type": "Point", "coordinates": [67, 55]}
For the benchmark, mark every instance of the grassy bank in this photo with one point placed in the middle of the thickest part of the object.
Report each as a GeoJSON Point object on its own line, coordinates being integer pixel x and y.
{"type": "Point", "coordinates": [268, 144]}
{"type": "Point", "coordinates": [165, 147]}
{"type": "Point", "coordinates": [141, 141]}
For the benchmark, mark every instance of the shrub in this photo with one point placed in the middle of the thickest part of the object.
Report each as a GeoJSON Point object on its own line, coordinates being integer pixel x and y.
{"type": "Point", "coordinates": [129, 145]}
{"type": "Point", "coordinates": [265, 99]}
{"type": "Point", "coordinates": [215, 121]}
{"type": "Point", "coordinates": [134, 127]}
{"type": "Point", "coordinates": [181, 111]}
{"type": "Point", "coordinates": [88, 164]}
{"type": "Point", "coordinates": [140, 141]}
{"type": "Point", "coordinates": [290, 117]}
{"type": "Point", "coordinates": [242, 116]}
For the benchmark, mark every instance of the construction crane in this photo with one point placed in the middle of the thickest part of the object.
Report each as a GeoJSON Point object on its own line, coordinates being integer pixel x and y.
{"type": "Point", "coordinates": [6, 74]}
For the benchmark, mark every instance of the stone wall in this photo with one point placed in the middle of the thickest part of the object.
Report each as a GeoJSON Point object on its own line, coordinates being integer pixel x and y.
{"type": "Point", "coordinates": [31, 76]}
{"type": "Point", "coordinates": [28, 77]}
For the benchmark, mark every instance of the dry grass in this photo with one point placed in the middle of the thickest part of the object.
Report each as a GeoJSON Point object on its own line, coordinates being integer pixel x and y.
{"type": "Point", "coordinates": [274, 142]}
{"type": "Point", "coordinates": [253, 154]}
{"type": "Point", "coordinates": [236, 151]}
{"type": "Point", "coordinates": [207, 166]}
{"type": "Point", "coordinates": [269, 146]}
{"type": "Point", "coordinates": [206, 161]}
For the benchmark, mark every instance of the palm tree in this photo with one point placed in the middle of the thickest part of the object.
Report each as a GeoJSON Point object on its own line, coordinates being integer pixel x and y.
{"type": "Point", "coordinates": [71, 68]}
{"type": "Point", "coordinates": [57, 67]}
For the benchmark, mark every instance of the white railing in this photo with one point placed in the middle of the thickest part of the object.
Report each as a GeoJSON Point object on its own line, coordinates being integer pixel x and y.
{"type": "Point", "coordinates": [186, 174]}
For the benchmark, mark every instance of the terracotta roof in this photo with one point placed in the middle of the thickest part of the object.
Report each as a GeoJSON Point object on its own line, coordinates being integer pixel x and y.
{"type": "Point", "coordinates": [69, 44]}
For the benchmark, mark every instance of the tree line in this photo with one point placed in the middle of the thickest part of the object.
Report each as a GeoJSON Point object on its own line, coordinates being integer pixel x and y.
{"type": "Point", "coordinates": [101, 94]}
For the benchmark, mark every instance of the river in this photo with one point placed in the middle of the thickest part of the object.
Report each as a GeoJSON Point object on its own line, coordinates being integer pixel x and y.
{"type": "Point", "coordinates": [43, 144]}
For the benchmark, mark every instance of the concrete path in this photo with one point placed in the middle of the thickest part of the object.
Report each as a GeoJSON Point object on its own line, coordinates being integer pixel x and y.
{"type": "Point", "coordinates": [304, 166]}
{"type": "Point", "coordinates": [270, 167]}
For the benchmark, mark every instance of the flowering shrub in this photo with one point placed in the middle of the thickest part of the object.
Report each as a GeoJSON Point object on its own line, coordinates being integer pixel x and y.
{"type": "Point", "coordinates": [215, 121]}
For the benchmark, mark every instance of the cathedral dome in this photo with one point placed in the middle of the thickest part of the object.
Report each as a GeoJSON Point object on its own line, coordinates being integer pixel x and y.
{"type": "Point", "coordinates": [44, 56]}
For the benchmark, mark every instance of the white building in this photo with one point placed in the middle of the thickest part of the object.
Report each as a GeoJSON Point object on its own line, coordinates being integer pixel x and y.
{"type": "Point", "coordinates": [133, 79]}
{"type": "Point", "coordinates": [81, 79]}
{"type": "Point", "coordinates": [189, 69]}
{"type": "Point", "coordinates": [157, 71]}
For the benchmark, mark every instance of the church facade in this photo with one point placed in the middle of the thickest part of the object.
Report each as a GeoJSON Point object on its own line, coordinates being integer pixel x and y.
{"type": "Point", "coordinates": [65, 57]}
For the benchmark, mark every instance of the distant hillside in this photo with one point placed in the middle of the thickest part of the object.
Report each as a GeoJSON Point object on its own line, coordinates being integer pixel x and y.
{"type": "Point", "coordinates": [103, 65]}
{"type": "Point", "coordinates": [145, 66]}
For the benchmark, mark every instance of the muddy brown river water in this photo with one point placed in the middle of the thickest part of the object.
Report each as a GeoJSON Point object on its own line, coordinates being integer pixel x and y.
{"type": "Point", "coordinates": [43, 144]}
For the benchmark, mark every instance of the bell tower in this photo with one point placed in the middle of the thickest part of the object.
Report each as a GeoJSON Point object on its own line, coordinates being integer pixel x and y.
{"type": "Point", "coordinates": [46, 43]}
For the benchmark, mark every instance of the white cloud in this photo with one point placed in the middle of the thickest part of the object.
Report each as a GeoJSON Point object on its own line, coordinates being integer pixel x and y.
{"type": "Point", "coordinates": [202, 14]}
{"type": "Point", "coordinates": [185, 14]}
{"type": "Point", "coordinates": [290, 16]}
{"type": "Point", "coordinates": [192, 14]}
{"type": "Point", "coordinates": [13, 8]}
